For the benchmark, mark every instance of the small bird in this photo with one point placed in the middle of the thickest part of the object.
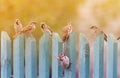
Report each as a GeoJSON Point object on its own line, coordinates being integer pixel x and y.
{"type": "Point", "coordinates": [66, 31]}
{"type": "Point", "coordinates": [118, 38]}
{"type": "Point", "coordinates": [98, 31]}
{"type": "Point", "coordinates": [27, 30]}
{"type": "Point", "coordinates": [46, 28]}
{"type": "Point", "coordinates": [64, 60]}
{"type": "Point", "coordinates": [17, 25]}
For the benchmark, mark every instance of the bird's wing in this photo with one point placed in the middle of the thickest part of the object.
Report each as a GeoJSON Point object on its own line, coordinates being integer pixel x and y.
{"type": "Point", "coordinates": [50, 29]}
{"type": "Point", "coordinates": [25, 29]}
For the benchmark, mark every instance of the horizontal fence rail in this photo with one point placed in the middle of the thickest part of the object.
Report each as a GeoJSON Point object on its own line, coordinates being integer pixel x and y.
{"type": "Point", "coordinates": [25, 56]}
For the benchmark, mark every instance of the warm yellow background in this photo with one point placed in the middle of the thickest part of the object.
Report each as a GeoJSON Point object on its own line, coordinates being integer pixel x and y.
{"type": "Point", "coordinates": [54, 12]}
{"type": "Point", "coordinates": [84, 13]}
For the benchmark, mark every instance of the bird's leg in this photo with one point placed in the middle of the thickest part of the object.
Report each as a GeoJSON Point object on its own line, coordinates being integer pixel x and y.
{"type": "Point", "coordinates": [105, 37]}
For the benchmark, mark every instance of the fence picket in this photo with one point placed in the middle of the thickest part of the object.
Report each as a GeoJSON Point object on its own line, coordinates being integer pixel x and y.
{"type": "Point", "coordinates": [5, 55]}
{"type": "Point", "coordinates": [112, 50]}
{"type": "Point", "coordinates": [18, 60]}
{"type": "Point", "coordinates": [30, 66]}
{"type": "Point", "coordinates": [84, 57]}
{"type": "Point", "coordinates": [44, 56]}
{"type": "Point", "coordinates": [56, 49]}
{"type": "Point", "coordinates": [98, 57]}
{"type": "Point", "coordinates": [30, 59]}
{"type": "Point", "coordinates": [71, 52]}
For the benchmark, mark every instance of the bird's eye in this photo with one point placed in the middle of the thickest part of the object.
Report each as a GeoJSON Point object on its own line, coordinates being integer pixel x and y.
{"type": "Point", "coordinates": [42, 25]}
{"type": "Point", "coordinates": [17, 23]}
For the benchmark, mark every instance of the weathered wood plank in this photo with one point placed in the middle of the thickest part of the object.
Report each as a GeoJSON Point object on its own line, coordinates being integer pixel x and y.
{"type": "Point", "coordinates": [18, 60]}
{"type": "Point", "coordinates": [56, 49]}
{"type": "Point", "coordinates": [30, 59]}
{"type": "Point", "coordinates": [84, 57]}
{"type": "Point", "coordinates": [112, 56]}
{"type": "Point", "coordinates": [71, 52]}
{"type": "Point", "coordinates": [98, 57]}
{"type": "Point", "coordinates": [5, 55]}
{"type": "Point", "coordinates": [44, 56]}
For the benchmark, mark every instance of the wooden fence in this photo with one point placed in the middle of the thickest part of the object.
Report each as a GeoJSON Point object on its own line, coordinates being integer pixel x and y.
{"type": "Point", "coordinates": [28, 68]}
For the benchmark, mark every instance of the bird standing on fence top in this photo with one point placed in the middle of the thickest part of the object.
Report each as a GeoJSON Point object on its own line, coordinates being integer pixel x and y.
{"type": "Point", "coordinates": [17, 26]}
{"type": "Point", "coordinates": [27, 30]}
{"type": "Point", "coordinates": [66, 31]}
{"type": "Point", "coordinates": [98, 31]}
{"type": "Point", "coordinates": [46, 28]}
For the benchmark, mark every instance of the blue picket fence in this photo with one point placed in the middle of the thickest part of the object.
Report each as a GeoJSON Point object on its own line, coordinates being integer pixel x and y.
{"type": "Point", "coordinates": [25, 57]}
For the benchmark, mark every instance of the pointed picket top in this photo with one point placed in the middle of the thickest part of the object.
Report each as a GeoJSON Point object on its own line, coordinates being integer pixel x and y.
{"type": "Point", "coordinates": [98, 57]}
{"type": "Point", "coordinates": [71, 53]}
{"type": "Point", "coordinates": [31, 59]}
{"type": "Point", "coordinates": [56, 49]}
{"type": "Point", "coordinates": [5, 55]}
{"type": "Point", "coordinates": [112, 57]}
{"type": "Point", "coordinates": [44, 56]}
{"type": "Point", "coordinates": [4, 35]}
{"type": "Point", "coordinates": [18, 54]}
{"type": "Point", "coordinates": [111, 38]}
{"type": "Point", "coordinates": [84, 57]}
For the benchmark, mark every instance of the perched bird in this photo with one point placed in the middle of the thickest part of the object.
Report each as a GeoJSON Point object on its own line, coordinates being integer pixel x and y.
{"type": "Point", "coordinates": [46, 28]}
{"type": "Point", "coordinates": [66, 31]}
{"type": "Point", "coordinates": [27, 30]}
{"type": "Point", "coordinates": [98, 31]}
{"type": "Point", "coordinates": [118, 38]}
{"type": "Point", "coordinates": [17, 25]}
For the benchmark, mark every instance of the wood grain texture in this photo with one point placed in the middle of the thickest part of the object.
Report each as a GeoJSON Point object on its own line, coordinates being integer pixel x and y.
{"type": "Point", "coordinates": [18, 60]}
{"type": "Point", "coordinates": [44, 56]}
{"type": "Point", "coordinates": [98, 57]}
{"type": "Point", "coordinates": [112, 55]}
{"type": "Point", "coordinates": [84, 57]}
{"type": "Point", "coordinates": [5, 55]}
{"type": "Point", "coordinates": [30, 58]}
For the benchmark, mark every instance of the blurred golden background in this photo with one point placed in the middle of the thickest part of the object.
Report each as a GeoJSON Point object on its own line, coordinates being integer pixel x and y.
{"type": "Point", "coordinates": [54, 12]}
{"type": "Point", "coordinates": [83, 13]}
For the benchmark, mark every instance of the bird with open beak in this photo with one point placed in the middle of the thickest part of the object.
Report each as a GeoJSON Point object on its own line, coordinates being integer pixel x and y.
{"type": "Point", "coordinates": [98, 31]}
{"type": "Point", "coordinates": [27, 30]}
{"type": "Point", "coordinates": [46, 28]}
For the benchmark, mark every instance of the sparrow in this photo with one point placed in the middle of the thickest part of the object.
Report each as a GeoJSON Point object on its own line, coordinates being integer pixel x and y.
{"type": "Point", "coordinates": [17, 25]}
{"type": "Point", "coordinates": [66, 32]}
{"type": "Point", "coordinates": [118, 38]}
{"type": "Point", "coordinates": [98, 31]}
{"type": "Point", "coordinates": [46, 28]}
{"type": "Point", "coordinates": [27, 30]}
{"type": "Point", "coordinates": [64, 61]}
